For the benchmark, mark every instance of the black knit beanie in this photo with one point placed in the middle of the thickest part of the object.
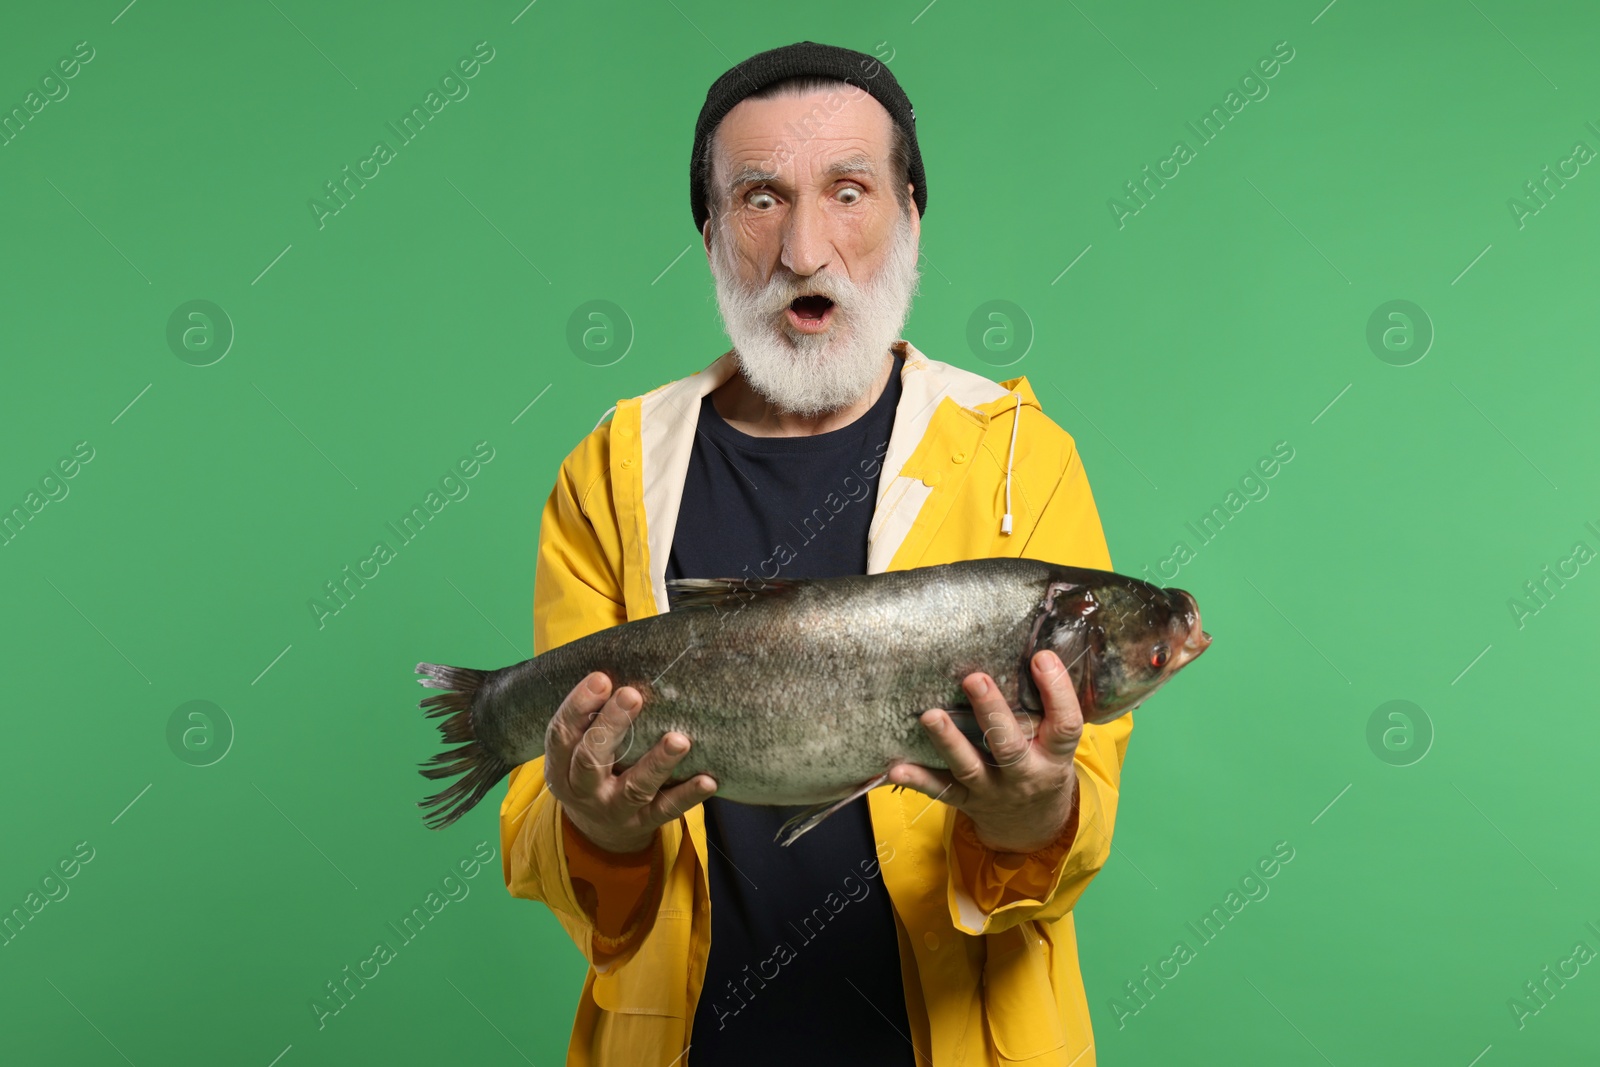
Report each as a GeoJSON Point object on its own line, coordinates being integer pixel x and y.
{"type": "Point", "coordinates": [796, 60]}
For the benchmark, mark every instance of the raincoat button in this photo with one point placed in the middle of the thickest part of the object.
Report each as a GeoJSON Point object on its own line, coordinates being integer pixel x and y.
{"type": "Point", "coordinates": [930, 939]}
{"type": "Point", "coordinates": [930, 479]}
{"type": "Point", "coordinates": [959, 457]}
{"type": "Point", "coordinates": [626, 464]}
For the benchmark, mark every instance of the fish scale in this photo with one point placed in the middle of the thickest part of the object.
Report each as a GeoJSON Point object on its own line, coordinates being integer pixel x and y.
{"type": "Point", "coordinates": [806, 691]}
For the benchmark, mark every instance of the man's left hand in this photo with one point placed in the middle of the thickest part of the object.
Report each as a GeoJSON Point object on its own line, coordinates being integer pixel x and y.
{"type": "Point", "coordinates": [1021, 802]}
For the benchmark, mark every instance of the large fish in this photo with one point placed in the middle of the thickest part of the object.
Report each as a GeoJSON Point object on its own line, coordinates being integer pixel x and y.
{"type": "Point", "coordinates": [807, 691]}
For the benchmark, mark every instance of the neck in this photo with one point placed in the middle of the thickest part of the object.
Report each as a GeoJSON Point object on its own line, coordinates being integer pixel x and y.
{"type": "Point", "coordinates": [749, 412]}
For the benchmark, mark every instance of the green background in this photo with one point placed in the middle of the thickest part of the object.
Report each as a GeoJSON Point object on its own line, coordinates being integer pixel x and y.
{"type": "Point", "coordinates": [372, 353]}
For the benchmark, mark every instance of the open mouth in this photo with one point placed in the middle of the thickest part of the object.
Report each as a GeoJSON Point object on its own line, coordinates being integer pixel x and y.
{"type": "Point", "coordinates": [810, 314]}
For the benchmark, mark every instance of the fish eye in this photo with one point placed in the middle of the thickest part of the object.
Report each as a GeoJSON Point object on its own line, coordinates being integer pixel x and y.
{"type": "Point", "coordinates": [1158, 656]}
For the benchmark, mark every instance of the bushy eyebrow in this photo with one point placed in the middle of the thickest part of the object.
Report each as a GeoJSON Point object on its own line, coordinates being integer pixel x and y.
{"type": "Point", "coordinates": [851, 165]}
{"type": "Point", "coordinates": [748, 174]}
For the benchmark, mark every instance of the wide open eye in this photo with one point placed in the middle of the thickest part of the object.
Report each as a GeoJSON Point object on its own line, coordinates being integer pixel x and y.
{"type": "Point", "coordinates": [1158, 656]}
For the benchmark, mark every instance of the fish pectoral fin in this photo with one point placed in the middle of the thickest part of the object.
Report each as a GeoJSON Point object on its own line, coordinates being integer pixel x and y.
{"type": "Point", "coordinates": [726, 594]}
{"type": "Point", "coordinates": [967, 722]}
{"type": "Point", "coordinates": [790, 831]}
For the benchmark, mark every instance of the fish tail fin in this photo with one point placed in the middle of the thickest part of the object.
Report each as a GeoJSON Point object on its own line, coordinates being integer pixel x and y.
{"type": "Point", "coordinates": [480, 768]}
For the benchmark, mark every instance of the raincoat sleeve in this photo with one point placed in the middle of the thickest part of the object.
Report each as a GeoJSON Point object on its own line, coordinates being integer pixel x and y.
{"type": "Point", "coordinates": [606, 903]}
{"type": "Point", "coordinates": [992, 891]}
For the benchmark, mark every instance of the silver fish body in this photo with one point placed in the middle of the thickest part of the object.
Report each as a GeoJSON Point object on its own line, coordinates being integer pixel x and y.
{"type": "Point", "coordinates": [801, 691]}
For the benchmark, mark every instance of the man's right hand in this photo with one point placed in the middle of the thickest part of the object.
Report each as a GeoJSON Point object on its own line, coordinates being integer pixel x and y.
{"type": "Point", "coordinates": [618, 811]}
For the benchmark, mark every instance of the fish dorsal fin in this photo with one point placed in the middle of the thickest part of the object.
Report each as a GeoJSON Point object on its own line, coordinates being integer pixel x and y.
{"type": "Point", "coordinates": [726, 594]}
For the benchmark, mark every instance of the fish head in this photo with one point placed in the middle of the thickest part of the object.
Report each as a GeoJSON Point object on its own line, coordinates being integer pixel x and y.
{"type": "Point", "coordinates": [1121, 641]}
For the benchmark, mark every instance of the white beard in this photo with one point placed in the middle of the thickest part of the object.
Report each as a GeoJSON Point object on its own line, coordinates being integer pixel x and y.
{"type": "Point", "coordinates": [809, 374]}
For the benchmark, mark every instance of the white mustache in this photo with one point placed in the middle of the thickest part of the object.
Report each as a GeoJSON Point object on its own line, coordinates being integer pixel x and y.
{"type": "Point", "coordinates": [783, 290]}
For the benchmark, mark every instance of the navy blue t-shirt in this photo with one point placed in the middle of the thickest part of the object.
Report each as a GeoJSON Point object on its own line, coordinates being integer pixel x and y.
{"type": "Point", "coordinates": [792, 929]}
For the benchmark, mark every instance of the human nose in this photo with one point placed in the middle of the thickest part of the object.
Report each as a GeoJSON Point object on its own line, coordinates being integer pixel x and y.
{"type": "Point", "coordinates": [807, 244]}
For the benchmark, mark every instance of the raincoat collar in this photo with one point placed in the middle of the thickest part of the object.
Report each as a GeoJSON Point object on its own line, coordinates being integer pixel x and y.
{"type": "Point", "coordinates": [668, 419]}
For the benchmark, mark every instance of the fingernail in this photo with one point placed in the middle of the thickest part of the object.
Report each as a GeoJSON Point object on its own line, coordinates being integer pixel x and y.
{"type": "Point", "coordinates": [1048, 662]}
{"type": "Point", "coordinates": [980, 686]}
{"type": "Point", "coordinates": [597, 683]}
{"type": "Point", "coordinates": [627, 700]}
{"type": "Point", "coordinates": [676, 746]}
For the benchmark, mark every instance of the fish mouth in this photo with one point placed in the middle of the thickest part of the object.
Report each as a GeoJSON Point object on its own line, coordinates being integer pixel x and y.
{"type": "Point", "coordinates": [1196, 640]}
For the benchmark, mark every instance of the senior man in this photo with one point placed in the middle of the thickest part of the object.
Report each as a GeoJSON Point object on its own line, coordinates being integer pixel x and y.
{"type": "Point", "coordinates": [926, 924]}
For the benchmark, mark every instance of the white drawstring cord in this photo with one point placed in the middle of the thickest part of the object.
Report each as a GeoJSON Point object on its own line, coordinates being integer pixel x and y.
{"type": "Point", "coordinates": [1005, 520]}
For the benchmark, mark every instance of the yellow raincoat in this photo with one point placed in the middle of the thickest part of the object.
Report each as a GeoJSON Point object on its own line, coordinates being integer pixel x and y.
{"type": "Point", "coordinates": [988, 952]}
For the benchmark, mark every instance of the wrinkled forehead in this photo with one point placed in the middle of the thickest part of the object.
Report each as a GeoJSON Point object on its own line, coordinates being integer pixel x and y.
{"type": "Point", "coordinates": [802, 139]}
